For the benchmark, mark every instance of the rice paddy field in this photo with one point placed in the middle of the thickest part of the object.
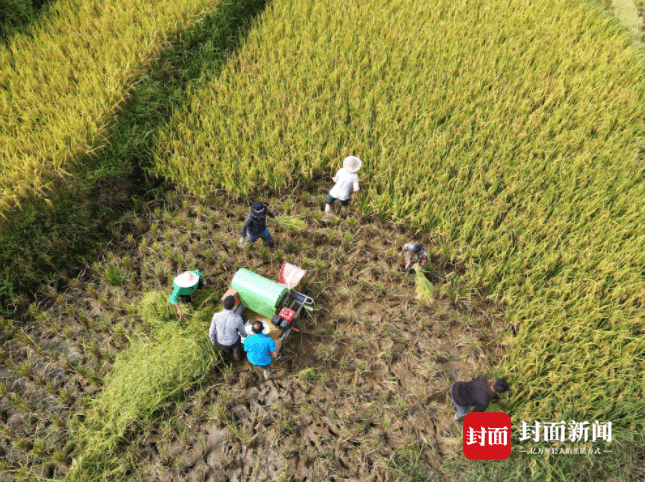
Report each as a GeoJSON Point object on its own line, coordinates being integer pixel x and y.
{"type": "Point", "coordinates": [514, 146]}
{"type": "Point", "coordinates": [100, 382]}
{"type": "Point", "coordinates": [64, 80]}
{"type": "Point", "coordinates": [506, 137]}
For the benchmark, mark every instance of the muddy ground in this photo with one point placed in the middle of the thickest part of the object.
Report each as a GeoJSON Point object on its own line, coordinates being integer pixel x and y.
{"type": "Point", "coordinates": [361, 392]}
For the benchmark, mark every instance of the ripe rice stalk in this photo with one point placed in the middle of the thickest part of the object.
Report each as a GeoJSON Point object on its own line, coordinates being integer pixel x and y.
{"type": "Point", "coordinates": [490, 136]}
{"type": "Point", "coordinates": [424, 289]}
{"type": "Point", "coordinates": [291, 223]}
{"type": "Point", "coordinates": [151, 372]}
{"type": "Point", "coordinates": [66, 78]}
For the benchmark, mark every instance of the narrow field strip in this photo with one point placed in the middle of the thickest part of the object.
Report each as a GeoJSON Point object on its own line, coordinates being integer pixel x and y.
{"type": "Point", "coordinates": [62, 82]}
{"type": "Point", "coordinates": [513, 129]}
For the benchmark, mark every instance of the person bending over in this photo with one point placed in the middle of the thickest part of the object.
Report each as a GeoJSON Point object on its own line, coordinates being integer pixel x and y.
{"type": "Point", "coordinates": [414, 253]}
{"type": "Point", "coordinates": [260, 349]}
{"type": "Point", "coordinates": [255, 226]}
{"type": "Point", "coordinates": [477, 392]}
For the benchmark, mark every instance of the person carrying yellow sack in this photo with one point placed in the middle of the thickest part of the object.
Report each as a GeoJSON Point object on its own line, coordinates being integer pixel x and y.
{"type": "Point", "coordinates": [184, 286]}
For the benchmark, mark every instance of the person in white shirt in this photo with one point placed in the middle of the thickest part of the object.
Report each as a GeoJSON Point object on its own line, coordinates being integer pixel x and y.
{"type": "Point", "coordinates": [345, 179]}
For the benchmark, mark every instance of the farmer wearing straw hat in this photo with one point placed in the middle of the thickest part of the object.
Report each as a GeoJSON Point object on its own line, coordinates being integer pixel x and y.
{"type": "Point", "coordinates": [414, 253]}
{"type": "Point", "coordinates": [184, 286]}
{"type": "Point", "coordinates": [255, 225]}
{"type": "Point", "coordinates": [345, 179]}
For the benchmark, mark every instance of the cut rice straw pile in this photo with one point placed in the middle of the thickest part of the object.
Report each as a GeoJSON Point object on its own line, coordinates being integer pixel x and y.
{"type": "Point", "coordinates": [150, 374]}
{"type": "Point", "coordinates": [423, 286]}
{"type": "Point", "coordinates": [291, 223]}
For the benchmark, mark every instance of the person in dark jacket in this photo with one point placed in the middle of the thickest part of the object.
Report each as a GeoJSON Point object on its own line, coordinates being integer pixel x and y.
{"type": "Point", "coordinates": [478, 392]}
{"type": "Point", "coordinates": [255, 226]}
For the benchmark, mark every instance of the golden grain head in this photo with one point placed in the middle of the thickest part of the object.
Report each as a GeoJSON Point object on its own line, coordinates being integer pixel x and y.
{"type": "Point", "coordinates": [63, 81]}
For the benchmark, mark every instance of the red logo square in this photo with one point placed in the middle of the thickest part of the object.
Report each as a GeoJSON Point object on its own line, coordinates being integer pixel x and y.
{"type": "Point", "coordinates": [487, 436]}
{"type": "Point", "coordinates": [286, 313]}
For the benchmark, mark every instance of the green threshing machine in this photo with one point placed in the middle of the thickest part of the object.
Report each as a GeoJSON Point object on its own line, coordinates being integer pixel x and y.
{"type": "Point", "coordinates": [277, 301]}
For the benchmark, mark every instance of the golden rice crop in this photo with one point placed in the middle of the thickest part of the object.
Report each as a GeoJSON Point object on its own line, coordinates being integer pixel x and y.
{"type": "Point", "coordinates": [423, 286]}
{"type": "Point", "coordinates": [513, 128]}
{"type": "Point", "coordinates": [291, 223]}
{"type": "Point", "coordinates": [62, 82]}
{"type": "Point", "coordinates": [144, 377]}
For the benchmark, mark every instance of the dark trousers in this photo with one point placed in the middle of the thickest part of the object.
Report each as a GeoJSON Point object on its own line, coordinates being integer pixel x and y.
{"type": "Point", "coordinates": [188, 298]}
{"type": "Point", "coordinates": [234, 348]}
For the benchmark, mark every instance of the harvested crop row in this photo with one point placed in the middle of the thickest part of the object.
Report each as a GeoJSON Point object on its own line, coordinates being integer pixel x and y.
{"type": "Point", "coordinates": [513, 129]}
{"type": "Point", "coordinates": [144, 377]}
{"type": "Point", "coordinates": [62, 83]}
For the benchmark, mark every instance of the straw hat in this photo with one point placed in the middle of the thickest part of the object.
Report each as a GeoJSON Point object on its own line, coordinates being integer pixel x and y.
{"type": "Point", "coordinates": [187, 280]}
{"type": "Point", "coordinates": [352, 164]}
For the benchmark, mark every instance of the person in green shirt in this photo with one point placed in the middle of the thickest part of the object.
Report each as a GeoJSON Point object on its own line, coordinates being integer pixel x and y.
{"type": "Point", "coordinates": [184, 286]}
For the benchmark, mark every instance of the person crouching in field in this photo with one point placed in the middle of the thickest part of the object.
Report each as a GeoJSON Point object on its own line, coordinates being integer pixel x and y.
{"type": "Point", "coordinates": [345, 179]}
{"type": "Point", "coordinates": [184, 286]}
{"type": "Point", "coordinates": [260, 349]}
{"type": "Point", "coordinates": [478, 392]}
{"type": "Point", "coordinates": [227, 328]}
{"type": "Point", "coordinates": [255, 225]}
{"type": "Point", "coordinates": [414, 253]}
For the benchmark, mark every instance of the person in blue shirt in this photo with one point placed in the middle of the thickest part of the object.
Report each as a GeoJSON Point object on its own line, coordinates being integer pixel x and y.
{"type": "Point", "coordinates": [260, 349]}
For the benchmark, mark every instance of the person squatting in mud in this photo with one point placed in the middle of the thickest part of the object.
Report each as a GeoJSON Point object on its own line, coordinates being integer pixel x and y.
{"type": "Point", "coordinates": [255, 225]}
{"type": "Point", "coordinates": [184, 286]}
{"type": "Point", "coordinates": [227, 329]}
{"type": "Point", "coordinates": [345, 179]}
{"type": "Point", "coordinates": [477, 392]}
{"type": "Point", "coordinates": [414, 253]}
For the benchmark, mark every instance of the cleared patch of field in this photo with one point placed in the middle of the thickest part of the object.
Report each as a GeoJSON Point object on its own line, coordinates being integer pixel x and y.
{"type": "Point", "coordinates": [627, 12]}
{"type": "Point", "coordinates": [64, 80]}
{"type": "Point", "coordinates": [360, 391]}
{"type": "Point", "coordinates": [512, 129]}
